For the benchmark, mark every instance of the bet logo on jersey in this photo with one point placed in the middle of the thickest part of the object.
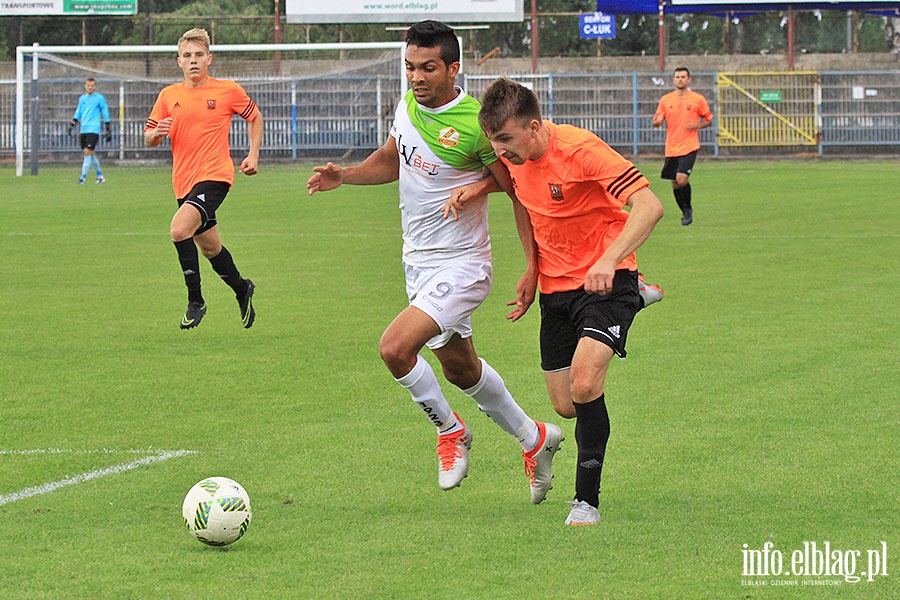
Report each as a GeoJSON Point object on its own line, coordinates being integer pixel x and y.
{"type": "Point", "coordinates": [414, 160]}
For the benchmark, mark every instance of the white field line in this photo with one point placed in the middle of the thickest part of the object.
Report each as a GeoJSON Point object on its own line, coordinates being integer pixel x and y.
{"type": "Point", "coordinates": [46, 488]}
{"type": "Point", "coordinates": [32, 451]}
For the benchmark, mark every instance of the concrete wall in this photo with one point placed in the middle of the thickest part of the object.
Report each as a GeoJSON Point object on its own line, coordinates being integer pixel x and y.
{"type": "Point", "coordinates": [650, 64]}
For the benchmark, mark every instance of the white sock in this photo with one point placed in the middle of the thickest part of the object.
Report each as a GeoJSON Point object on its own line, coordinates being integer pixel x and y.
{"type": "Point", "coordinates": [495, 401]}
{"type": "Point", "coordinates": [423, 386]}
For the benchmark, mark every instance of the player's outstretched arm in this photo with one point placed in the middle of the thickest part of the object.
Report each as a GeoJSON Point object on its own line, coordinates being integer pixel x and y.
{"type": "Point", "coordinates": [498, 181]}
{"type": "Point", "coordinates": [382, 166]}
{"type": "Point", "coordinates": [327, 177]}
{"type": "Point", "coordinates": [464, 193]}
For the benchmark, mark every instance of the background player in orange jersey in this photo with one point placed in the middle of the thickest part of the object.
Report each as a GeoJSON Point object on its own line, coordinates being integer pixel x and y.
{"type": "Point", "coordinates": [575, 189]}
{"type": "Point", "coordinates": [685, 112]}
{"type": "Point", "coordinates": [196, 116]}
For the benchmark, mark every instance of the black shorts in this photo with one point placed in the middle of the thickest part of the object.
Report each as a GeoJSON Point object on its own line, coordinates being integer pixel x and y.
{"type": "Point", "coordinates": [678, 164]}
{"type": "Point", "coordinates": [568, 316]}
{"type": "Point", "coordinates": [89, 140]}
{"type": "Point", "coordinates": [206, 197]}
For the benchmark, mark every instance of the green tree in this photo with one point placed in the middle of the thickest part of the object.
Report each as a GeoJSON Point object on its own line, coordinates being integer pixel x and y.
{"type": "Point", "coordinates": [252, 21]}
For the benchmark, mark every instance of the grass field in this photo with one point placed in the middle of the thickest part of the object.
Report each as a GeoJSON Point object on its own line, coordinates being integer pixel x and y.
{"type": "Point", "coordinates": [759, 401]}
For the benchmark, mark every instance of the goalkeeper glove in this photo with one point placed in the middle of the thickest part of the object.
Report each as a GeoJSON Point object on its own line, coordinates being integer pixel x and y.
{"type": "Point", "coordinates": [71, 128]}
{"type": "Point", "coordinates": [108, 136]}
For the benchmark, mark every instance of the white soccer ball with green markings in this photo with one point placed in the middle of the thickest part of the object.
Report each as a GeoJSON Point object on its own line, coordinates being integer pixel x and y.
{"type": "Point", "coordinates": [217, 511]}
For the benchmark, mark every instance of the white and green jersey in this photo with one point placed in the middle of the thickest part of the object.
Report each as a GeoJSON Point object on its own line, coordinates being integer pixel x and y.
{"type": "Point", "coordinates": [441, 149]}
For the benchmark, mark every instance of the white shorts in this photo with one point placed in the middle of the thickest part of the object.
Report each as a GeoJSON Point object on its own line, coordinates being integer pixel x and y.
{"type": "Point", "coordinates": [449, 294]}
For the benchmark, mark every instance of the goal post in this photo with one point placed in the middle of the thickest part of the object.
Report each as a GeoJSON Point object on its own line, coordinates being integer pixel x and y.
{"type": "Point", "coordinates": [37, 52]}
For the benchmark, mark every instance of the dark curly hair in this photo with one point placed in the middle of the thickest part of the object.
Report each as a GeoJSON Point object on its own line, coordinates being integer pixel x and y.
{"type": "Point", "coordinates": [432, 34]}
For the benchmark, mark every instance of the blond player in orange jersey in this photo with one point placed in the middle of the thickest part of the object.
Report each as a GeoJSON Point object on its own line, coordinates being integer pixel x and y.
{"type": "Point", "coordinates": [685, 113]}
{"type": "Point", "coordinates": [575, 189]}
{"type": "Point", "coordinates": [196, 116]}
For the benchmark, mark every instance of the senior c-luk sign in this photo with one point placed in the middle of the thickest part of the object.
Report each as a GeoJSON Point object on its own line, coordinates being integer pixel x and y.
{"type": "Point", "coordinates": [597, 26]}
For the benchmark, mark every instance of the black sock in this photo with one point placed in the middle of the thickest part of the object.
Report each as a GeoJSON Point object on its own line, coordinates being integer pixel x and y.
{"type": "Point", "coordinates": [591, 435]}
{"type": "Point", "coordinates": [223, 264]}
{"type": "Point", "coordinates": [190, 267]}
{"type": "Point", "coordinates": [686, 196]}
{"type": "Point", "coordinates": [679, 197]}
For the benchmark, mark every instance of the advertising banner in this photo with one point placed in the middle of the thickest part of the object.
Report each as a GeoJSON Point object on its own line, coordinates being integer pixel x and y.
{"type": "Point", "coordinates": [403, 11]}
{"type": "Point", "coordinates": [9, 8]}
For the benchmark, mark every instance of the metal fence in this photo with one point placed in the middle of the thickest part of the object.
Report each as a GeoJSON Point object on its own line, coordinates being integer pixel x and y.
{"type": "Point", "coordinates": [858, 112]}
{"type": "Point", "coordinates": [861, 109]}
{"type": "Point", "coordinates": [768, 109]}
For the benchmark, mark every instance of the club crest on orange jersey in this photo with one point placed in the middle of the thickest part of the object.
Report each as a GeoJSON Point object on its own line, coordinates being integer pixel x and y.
{"type": "Point", "coordinates": [211, 104]}
{"type": "Point", "coordinates": [448, 137]}
{"type": "Point", "coordinates": [556, 191]}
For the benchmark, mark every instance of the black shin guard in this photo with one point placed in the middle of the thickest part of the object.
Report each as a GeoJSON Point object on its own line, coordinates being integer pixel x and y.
{"type": "Point", "coordinates": [591, 435]}
{"type": "Point", "coordinates": [686, 196]}
{"type": "Point", "coordinates": [223, 264]}
{"type": "Point", "coordinates": [190, 267]}
{"type": "Point", "coordinates": [679, 197]}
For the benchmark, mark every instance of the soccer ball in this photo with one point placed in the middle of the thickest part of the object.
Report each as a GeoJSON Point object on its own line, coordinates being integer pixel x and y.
{"type": "Point", "coordinates": [217, 511]}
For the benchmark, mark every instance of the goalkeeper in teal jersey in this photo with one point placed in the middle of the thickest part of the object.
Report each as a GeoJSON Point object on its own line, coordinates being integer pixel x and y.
{"type": "Point", "coordinates": [91, 112]}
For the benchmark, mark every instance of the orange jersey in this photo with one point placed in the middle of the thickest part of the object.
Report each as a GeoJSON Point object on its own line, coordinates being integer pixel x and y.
{"type": "Point", "coordinates": [678, 111]}
{"type": "Point", "coordinates": [199, 130]}
{"type": "Point", "coordinates": [575, 195]}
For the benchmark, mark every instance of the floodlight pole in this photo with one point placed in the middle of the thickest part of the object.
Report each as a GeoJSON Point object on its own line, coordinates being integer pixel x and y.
{"type": "Point", "coordinates": [277, 38]}
{"type": "Point", "coordinates": [790, 38]}
{"type": "Point", "coordinates": [148, 61]}
{"type": "Point", "coordinates": [662, 35]}
{"type": "Point", "coordinates": [534, 37]}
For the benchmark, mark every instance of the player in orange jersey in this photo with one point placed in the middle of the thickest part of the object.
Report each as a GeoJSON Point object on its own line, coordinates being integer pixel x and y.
{"type": "Point", "coordinates": [581, 253]}
{"type": "Point", "coordinates": [685, 112]}
{"type": "Point", "coordinates": [196, 116]}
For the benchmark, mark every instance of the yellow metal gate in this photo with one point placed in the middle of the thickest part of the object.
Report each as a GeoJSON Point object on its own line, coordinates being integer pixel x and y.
{"type": "Point", "coordinates": [768, 109]}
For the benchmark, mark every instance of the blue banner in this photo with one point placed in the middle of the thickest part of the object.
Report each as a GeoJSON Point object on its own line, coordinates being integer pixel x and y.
{"type": "Point", "coordinates": [597, 26]}
{"type": "Point", "coordinates": [632, 7]}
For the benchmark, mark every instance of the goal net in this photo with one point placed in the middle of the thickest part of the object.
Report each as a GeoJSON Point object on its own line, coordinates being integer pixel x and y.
{"type": "Point", "coordinates": [318, 100]}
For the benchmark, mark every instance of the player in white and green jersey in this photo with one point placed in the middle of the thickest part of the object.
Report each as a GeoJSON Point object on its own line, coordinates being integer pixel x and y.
{"type": "Point", "coordinates": [441, 149]}
{"type": "Point", "coordinates": [436, 146]}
